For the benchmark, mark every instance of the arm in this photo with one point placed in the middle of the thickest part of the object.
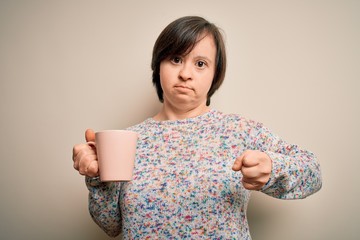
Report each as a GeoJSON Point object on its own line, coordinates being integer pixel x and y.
{"type": "Point", "coordinates": [104, 205]}
{"type": "Point", "coordinates": [295, 172]}
{"type": "Point", "coordinates": [103, 197]}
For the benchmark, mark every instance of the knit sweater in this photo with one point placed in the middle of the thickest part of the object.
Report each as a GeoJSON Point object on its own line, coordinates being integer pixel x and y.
{"type": "Point", "coordinates": [184, 187]}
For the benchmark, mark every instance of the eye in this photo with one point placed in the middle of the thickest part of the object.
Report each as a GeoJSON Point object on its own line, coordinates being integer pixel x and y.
{"type": "Point", "coordinates": [200, 64]}
{"type": "Point", "coordinates": [175, 60]}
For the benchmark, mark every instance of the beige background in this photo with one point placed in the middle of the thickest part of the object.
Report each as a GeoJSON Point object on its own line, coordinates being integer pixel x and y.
{"type": "Point", "coordinates": [69, 65]}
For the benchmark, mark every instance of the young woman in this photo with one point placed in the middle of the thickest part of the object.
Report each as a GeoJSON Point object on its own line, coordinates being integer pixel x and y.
{"type": "Point", "coordinates": [195, 166]}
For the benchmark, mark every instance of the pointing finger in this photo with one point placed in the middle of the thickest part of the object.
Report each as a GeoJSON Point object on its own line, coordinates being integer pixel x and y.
{"type": "Point", "coordinates": [238, 163]}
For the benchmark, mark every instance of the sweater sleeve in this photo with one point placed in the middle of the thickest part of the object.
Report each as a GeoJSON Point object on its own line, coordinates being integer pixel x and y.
{"type": "Point", "coordinates": [295, 171]}
{"type": "Point", "coordinates": [104, 205]}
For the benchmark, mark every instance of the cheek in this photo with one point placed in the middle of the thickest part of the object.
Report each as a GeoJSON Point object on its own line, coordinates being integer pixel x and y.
{"type": "Point", "coordinates": [163, 80]}
{"type": "Point", "coordinates": [162, 77]}
{"type": "Point", "coordinates": [165, 74]}
{"type": "Point", "coordinates": [208, 81]}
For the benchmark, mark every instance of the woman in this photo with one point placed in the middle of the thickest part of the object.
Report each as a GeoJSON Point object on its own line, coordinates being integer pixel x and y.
{"type": "Point", "coordinates": [195, 166]}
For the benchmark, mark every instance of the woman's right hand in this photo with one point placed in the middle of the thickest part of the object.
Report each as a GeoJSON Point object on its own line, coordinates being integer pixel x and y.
{"type": "Point", "coordinates": [84, 156]}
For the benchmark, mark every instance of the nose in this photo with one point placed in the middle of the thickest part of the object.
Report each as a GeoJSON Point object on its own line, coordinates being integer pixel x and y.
{"type": "Point", "coordinates": [185, 72]}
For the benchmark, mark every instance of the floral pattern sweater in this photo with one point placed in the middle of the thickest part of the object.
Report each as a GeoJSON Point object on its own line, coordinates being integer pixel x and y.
{"type": "Point", "coordinates": [184, 187]}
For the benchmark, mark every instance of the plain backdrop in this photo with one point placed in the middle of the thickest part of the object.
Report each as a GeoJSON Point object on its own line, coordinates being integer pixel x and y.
{"type": "Point", "coordinates": [70, 65]}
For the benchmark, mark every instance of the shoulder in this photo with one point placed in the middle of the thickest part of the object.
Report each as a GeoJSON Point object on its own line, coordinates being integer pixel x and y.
{"type": "Point", "coordinates": [238, 121]}
{"type": "Point", "coordinates": [142, 126]}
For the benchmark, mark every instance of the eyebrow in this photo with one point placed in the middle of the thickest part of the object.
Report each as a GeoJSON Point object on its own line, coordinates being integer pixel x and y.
{"type": "Point", "coordinates": [204, 57]}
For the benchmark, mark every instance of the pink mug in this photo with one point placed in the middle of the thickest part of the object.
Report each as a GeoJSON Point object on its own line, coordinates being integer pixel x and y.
{"type": "Point", "coordinates": [116, 151]}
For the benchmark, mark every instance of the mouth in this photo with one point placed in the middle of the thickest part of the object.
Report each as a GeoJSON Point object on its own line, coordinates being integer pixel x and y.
{"type": "Point", "coordinates": [183, 87]}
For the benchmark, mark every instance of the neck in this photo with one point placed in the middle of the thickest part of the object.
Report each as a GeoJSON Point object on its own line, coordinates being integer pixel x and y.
{"type": "Point", "coordinates": [172, 113]}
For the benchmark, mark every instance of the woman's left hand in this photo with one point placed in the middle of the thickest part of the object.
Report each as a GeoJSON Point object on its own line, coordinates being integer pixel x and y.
{"type": "Point", "coordinates": [255, 167]}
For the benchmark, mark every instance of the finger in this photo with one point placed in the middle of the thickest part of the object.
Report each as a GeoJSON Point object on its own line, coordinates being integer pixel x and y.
{"type": "Point", "coordinates": [92, 146]}
{"type": "Point", "coordinates": [90, 135]}
{"type": "Point", "coordinates": [250, 172]}
{"type": "Point", "coordinates": [93, 169]}
{"type": "Point", "coordinates": [79, 148]}
{"type": "Point", "coordinates": [250, 185]}
{"type": "Point", "coordinates": [257, 182]}
{"type": "Point", "coordinates": [238, 163]}
{"type": "Point", "coordinates": [76, 165]}
{"type": "Point", "coordinates": [251, 158]}
{"type": "Point", "coordinates": [78, 151]}
{"type": "Point", "coordinates": [85, 162]}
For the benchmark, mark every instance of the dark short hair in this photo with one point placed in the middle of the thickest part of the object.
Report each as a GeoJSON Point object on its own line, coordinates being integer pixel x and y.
{"type": "Point", "coordinates": [179, 38]}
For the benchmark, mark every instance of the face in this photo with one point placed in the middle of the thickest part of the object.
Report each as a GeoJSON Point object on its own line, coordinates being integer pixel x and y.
{"type": "Point", "coordinates": [186, 80]}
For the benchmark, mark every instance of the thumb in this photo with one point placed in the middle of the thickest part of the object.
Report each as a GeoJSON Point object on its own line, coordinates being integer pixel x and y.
{"type": "Point", "coordinates": [238, 163]}
{"type": "Point", "coordinates": [90, 135]}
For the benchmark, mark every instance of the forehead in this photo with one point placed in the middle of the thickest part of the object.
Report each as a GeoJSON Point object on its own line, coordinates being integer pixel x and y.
{"type": "Point", "coordinates": [205, 46]}
{"type": "Point", "coordinates": [205, 40]}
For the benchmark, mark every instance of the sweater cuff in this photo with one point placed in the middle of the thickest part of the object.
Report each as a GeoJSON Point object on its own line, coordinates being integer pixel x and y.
{"type": "Point", "coordinates": [277, 167]}
{"type": "Point", "coordinates": [93, 181]}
